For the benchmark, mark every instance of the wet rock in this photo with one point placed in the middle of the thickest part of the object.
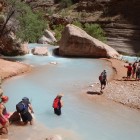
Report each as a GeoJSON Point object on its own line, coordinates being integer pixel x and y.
{"type": "Point", "coordinates": [56, 137]}
{"type": "Point", "coordinates": [54, 63]}
{"type": "Point", "coordinates": [50, 35]}
{"type": "Point", "coordinates": [40, 51]}
{"type": "Point", "coordinates": [44, 40]}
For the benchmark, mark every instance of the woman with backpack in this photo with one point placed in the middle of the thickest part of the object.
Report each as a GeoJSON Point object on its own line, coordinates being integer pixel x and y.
{"type": "Point", "coordinates": [57, 104]}
{"type": "Point", "coordinates": [4, 115]}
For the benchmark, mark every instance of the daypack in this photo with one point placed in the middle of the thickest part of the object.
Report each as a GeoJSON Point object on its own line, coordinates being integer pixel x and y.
{"type": "Point", "coordinates": [100, 77]}
{"type": "Point", "coordinates": [20, 107]}
{"type": "Point", "coordinates": [104, 76]}
{"type": "Point", "coordinates": [56, 103]}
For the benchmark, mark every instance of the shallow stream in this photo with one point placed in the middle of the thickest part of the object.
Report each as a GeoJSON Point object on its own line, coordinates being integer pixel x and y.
{"type": "Point", "coordinates": [88, 120]}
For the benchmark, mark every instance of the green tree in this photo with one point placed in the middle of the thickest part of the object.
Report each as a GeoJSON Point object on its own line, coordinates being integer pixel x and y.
{"type": "Point", "coordinates": [58, 30]}
{"type": "Point", "coordinates": [66, 3]}
{"type": "Point", "coordinates": [30, 23]}
{"type": "Point", "coordinates": [95, 31]}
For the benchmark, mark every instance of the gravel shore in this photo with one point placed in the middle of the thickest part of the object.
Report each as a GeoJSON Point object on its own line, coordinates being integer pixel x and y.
{"type": "Point", "coordinates": [120, 90]}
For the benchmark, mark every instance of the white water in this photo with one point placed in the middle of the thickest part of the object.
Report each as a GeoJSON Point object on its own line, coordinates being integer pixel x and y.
{"type": "Point", "coordinates": [89, 120]}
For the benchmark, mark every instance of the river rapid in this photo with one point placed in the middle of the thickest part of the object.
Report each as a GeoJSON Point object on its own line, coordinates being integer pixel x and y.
{"type": "Point", "coordinates": [82, 118]}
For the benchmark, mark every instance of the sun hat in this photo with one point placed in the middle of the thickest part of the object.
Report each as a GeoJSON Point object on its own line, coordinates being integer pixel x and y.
{"type": "Point", "coordinates": [60, 95]}
{"type": "Point", "coordinates": [4, 98]}
{"type": "Point", "coordinates": [25, 98]}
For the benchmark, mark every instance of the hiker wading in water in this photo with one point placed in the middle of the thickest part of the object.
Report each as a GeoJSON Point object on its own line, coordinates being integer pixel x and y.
{"type": "Point", "coordinates": [103, 80]}
{"type": "Point", "coordinates": [57, 104]}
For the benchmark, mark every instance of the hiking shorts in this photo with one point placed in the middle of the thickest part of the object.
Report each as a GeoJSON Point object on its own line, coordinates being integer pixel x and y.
{"type": "Point", "coordinates": [103, 83]}
{"type": "Point", "coordinates": [26, 116]}
{"type": "Point", "coordinates": [128, 74]}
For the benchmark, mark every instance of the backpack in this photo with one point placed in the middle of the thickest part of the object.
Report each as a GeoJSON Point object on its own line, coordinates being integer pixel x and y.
{"type": "Point", "coordinates": [100, 77]}
{"type": "Point", "coordinates": [20, 107]}
{"type": "Point", "coordinates": [56, 102]}
{"type": "Point", "coordinates": [104, 76]}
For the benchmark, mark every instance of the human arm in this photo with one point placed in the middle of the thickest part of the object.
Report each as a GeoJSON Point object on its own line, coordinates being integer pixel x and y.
{"type": "Point", "coordinates": [61, 102]}
{"type": "Point", "coordinates": [31, 108]}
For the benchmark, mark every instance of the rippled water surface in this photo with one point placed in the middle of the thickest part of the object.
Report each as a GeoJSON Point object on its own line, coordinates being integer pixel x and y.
{"type": "Point", "coordinates": [87, 119]}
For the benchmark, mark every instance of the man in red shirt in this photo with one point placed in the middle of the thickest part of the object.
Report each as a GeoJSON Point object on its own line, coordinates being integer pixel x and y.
{"type": "Point", "coordinates": [129, 70]}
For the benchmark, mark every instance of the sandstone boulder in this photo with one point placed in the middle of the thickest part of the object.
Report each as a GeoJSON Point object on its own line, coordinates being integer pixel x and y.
{"type": "Point", "coordinates": [40, 51]}
{"type": "Point", "coordinates": [50, 35]}
{"type": "Point", "coordinates": [11, 46]}
{"type": "Point", "coordinates": [76, 42]}
{"type": "Point", "coordinates": [47, 38]}
{"type": "Point", "coordinates": [44, 40]}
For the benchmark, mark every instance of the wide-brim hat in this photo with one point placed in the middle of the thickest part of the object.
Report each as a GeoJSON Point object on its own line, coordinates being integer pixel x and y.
{"type": "Point", "coordinates": [60, 95]}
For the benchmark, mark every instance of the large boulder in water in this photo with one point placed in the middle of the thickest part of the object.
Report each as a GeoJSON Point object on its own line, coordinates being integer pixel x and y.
{"type": "Point", "coordinates": [76, 42]}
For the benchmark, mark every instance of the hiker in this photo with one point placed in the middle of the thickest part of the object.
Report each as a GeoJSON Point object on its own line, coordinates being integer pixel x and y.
{"type": "Point", "coordinates": [57, 104]}
{"type": "Point", "coordinates": [103, 80]}
{"type": "Point", "coordinates": [134, 67]}
{"type": "Point", "coordinates": [4, 115]}
{"type": "Point", "coordinates": [25, 109]}
{"type": "Point", "coordinates": [138, 72]}
{"type": "Point", "coordinates": [129, 70]}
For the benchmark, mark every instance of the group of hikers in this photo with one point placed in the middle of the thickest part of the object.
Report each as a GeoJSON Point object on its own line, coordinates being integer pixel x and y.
{"type": "Point", "coordinates": [24, 112]}
{"type": "Point", "coordinates": [133, 70]}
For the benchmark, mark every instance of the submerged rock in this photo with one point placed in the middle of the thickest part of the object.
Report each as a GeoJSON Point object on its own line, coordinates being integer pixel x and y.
{"type": "Point", "coordinates": [40, 51]}
{"type": "Point", "coordinates": [56, 137]}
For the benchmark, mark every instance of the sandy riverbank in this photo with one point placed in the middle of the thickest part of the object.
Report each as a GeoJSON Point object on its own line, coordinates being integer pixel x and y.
{"type": "Point", "coordinates": [118, 89]}
{"type": "Point", "coordinates": [9, 69]}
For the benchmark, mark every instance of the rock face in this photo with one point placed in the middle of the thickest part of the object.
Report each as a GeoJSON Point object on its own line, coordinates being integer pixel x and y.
{"type": "Point", "coordinates": [10, 46]}
{"type": "Point", "coordinates": [40, 51]}
{"type": "Point", "coordinates": [50, 35]}
{"type": "Point", "coordinates": [119, 20]}
{"type": "Point", "coordinates": [76, 42]}
{"type": "Point", "coordinates": [47, 38]}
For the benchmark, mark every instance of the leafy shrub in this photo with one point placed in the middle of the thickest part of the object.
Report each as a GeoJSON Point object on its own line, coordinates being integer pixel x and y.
{"type": "Point", "coordinates": [66, 3]}
{"type": "Point", "coordinates": [78, 24]}
{"type": "Point", "coordinates": [58, 29]}
{"type": "Point", "coordinates": [31, 24]}
{"type": "Point", "coordinates": [95, 31]}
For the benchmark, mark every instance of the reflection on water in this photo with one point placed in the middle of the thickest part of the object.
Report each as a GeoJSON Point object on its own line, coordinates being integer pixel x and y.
{"type": "Point", "coordinates": [87, 119]}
